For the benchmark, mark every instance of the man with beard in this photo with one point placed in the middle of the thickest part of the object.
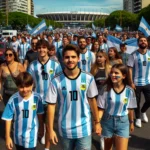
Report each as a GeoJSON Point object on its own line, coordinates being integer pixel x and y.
{"type": "Point", "coordinates": [139, 70]}
{"type": "Point", "coordinates": [32, 54]}
{"type": "Point", "coordinates": [87, 58]}
{"type": "Point", "coordinates": [75, 91]}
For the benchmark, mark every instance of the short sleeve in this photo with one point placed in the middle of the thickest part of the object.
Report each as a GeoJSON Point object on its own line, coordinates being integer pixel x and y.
{"type": "Point", "coordinates": [130, 62]}
{"type": "Point", "coordinates": [40, 109]}
{"type": "Point", "coordinates": [51, 94]}
{"type": "Point", "coordinates": [101, 101]}
{"type": "Point", "coordinates": [132, 102]}
{"type": "Point", "coordinates": [93, 58]}
{"type": "Point", "coordinates": [92, 89]}
{"type": "Point", "coordinates": [8, 111]}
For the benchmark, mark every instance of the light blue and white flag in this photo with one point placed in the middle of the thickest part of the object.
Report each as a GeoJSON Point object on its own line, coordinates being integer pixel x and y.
{"type": "Point", "coordinates": [28, 27]}
{"type": "Point", "coordinates": [131, 44]}
{"type": "Point", "coordinates": [93, 26]}
{"type": "Point", "coordinates": [50, 28]}
{"type": "Point", "coordinates": [39, 28]}
{"type": "Point", "coordinates": [118, 28]}
{"type": "Point", "coordinates": [144, 27]}
{"type": "Point", "coordinates": [93, 35]}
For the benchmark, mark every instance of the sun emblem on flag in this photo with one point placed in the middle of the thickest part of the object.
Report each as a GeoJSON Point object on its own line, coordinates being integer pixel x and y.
{"type": "Point", "coordinates": [38, 29]}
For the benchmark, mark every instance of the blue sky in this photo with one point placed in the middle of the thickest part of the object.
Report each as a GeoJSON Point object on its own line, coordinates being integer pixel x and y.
{"type": "Point", "coordinates": [106, 6]}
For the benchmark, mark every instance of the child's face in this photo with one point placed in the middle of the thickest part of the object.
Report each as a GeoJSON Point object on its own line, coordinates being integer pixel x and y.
{"type": "Point", "coordinates": [116, 75]}
{"type": "Point", "coordinates": [25, 91]}
{"type": "Point", "coordinates": [52, 52]}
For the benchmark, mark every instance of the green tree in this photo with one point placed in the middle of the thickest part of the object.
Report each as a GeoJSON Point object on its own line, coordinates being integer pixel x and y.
{"type": "Point", "coordinates": [123, 18]}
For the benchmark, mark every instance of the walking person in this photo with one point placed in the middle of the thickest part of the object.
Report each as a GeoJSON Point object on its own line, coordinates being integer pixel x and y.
{"type": "Point", "coordinates": [116, 109]}
{"type": "Point", "coordinates": [139, 69]}
{"type": "Point", "coordinates": [75, 91]}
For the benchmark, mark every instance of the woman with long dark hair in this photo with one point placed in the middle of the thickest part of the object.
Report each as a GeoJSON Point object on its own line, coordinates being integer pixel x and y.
{"type": "Point", "coordinates": [116, 109]}
{"type": "Point", "coordinates": [9, 70]}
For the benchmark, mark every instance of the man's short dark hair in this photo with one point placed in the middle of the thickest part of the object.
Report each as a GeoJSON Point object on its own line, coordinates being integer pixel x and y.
{"type": "Point", "coordinates": [71, 47]}
{"type": "Point", "coordinates": [140, 37]}
{"type": "Point", "coordinates": [43, 42]}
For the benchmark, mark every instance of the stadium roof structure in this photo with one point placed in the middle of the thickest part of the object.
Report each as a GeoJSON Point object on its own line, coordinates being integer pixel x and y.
{"type": "Point", "coordinates": [73, 16]}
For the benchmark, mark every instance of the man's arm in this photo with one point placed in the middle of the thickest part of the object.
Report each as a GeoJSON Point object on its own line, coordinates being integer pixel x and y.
{"type": "Point", "coordinates": [50, 114]}
{"type": "Point", "coordinates": [94, 109]}
{"type": "Point", "coordinates": [26, 63]}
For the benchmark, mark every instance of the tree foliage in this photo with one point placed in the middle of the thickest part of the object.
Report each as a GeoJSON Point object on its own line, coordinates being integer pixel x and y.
{"type": "Point", "coordinates": [19, 20]}
{"type": "Point", "coordinates": [145, 12]}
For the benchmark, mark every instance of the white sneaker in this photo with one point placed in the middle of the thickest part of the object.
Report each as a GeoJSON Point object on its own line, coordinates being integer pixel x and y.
{"type": "Point", "coordinates": [101, 143]}
{"type": "Point", "coordinates": [144, 117]}
{"type": "Point", "coordinates": [43, 140]}
{"type": "Point", "coordinates": [138, 123]}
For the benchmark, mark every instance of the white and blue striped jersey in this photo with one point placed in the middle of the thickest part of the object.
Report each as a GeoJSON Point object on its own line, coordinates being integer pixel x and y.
{"type": "Point", "coordinates": [23, 48]}
{"type": "Point", "coordinates": [140, 64]}
{"type": "Point", "coordinates": [86, 60]}
{"type": "Point", "coordinates": [52, 67]}
{"type": "Point", "coordinates": [89, 47]}
{"type": "Point", "coordinates": [24, 113]}
{"type": "Point", "coordinates": [15, 45]}
{"type": "Point", "coordinates": [57, 44]}
{"type": "Point", "coordinates": [104, 46]}
{"type": "Point", "coordinates": [117, 104]}
{"type": "Point", "coordinates": [74, 118]}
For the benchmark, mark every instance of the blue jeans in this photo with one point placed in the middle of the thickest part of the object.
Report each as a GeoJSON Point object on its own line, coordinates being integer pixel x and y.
{"type": "Point", "coordinates": [115, 125]}
{"type": "Point", "coordinates": [79, 143]}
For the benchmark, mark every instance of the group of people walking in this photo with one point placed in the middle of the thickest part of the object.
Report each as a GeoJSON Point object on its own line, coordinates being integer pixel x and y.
{"type": "Point", "coordinates": [94, 86]}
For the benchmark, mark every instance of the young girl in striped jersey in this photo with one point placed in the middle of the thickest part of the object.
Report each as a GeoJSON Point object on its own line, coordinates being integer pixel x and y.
{"type": "Point", "coordinates": [116, 109]}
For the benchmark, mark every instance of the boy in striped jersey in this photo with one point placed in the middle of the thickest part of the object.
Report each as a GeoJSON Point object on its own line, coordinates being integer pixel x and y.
{"type": "Point", "coordinates": [43, 70]}
{"type": "Point", "coordinates": [26, 108]}
{"type": "Point", "coordinates": [139, 69]}
{"type": "Point", "coordinates": [87, 58]}
{"type": "Point", "coordinates": [75, 91]}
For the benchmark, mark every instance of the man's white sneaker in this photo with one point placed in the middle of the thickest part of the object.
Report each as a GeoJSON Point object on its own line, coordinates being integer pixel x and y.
{"type": "Point", "coordinates": [144, 117]}
{"type": "Point", "coordinates": [138, 123]}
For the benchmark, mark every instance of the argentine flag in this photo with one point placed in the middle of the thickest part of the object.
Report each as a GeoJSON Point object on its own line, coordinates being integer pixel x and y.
{"type": "Point", "coordinates": [28, 27]}
{"type": "Point", "coordinates": [118, 28]}
{"type": "Point", "coordinates": [39, 28]}
{"type": "Point", "coordinates": [93, 26]}
{"type": "Point", "coordinates": [50, 28]}
{"type": "Point", "coordinates": [144, 27]}
{"type": "Point", "coordinates": [131, 44]}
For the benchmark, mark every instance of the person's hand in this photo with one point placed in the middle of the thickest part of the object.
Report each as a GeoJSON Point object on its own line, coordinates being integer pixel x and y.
{"type": "Point", "coordinates": [131, 127]}
{"type": "Point", "coordinates": [53, 138]}
{"type": "Point", "coordinates": [9, 143]}
{"type": "Point", "coordinates": [98, 129]}
{"type": "Point", "coordinates": [1, 98]}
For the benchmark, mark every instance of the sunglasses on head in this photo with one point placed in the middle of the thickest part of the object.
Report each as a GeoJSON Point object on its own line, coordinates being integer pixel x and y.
{"type": "Point", "coordinates": [10, 55]}
{"type": "Point", "coordinates": [34, 43]}
{"type": "Point", "coordinates": [44, 74]}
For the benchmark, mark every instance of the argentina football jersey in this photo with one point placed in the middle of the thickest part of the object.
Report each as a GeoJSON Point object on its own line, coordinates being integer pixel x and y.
{"type": "Point", "coordinates": [117, 104]}
{"type": "Point", "coordinates": [57, 44]}
{"type": "Point", "coordinates": [23, 48]}
{"type": "Point", "coordinates": [42, 74]}
{"type": "Point", "coordinates": [86, 60]}
{"type": "Point", "coordinates": [104, 46]}
{"type": "Point", "coordinates": [24, 113]}
{"type": "Point", "coordinates": [141, 67]}
{"type": "Point", "coordinates": [74, 119]}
